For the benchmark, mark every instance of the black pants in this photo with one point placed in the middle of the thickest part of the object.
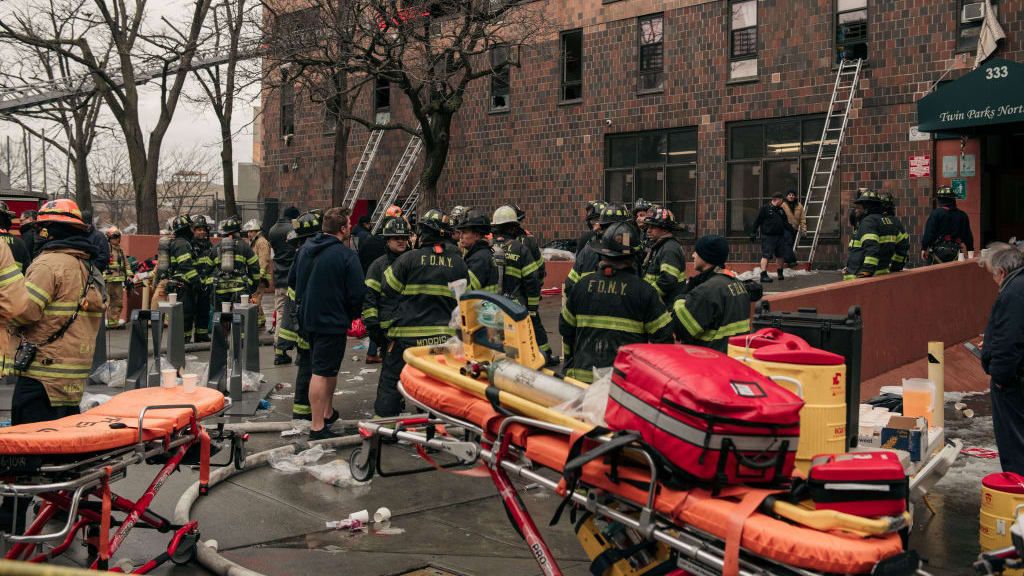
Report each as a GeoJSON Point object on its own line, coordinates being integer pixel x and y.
{"type": "Point", "coordinates": [1008, 424]}
{"type": "Point", "coordinates": [389, 400]}
{"type": "Point", "coordinates": [540, 334]}
{"type": "Point", "coordinates": [28, 405]}
{"type": "Point", "coordinates": [187, 297]}
{"type": "Point", "coordinates": [202, 312]}
{"type": "Point", "coordinates": [301, 408]}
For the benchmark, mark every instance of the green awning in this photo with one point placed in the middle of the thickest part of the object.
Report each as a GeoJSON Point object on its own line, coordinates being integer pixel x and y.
{"type": "Point", "coordinates": [992, 94]}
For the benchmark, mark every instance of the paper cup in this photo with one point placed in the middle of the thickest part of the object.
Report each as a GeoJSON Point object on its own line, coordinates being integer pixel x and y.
{"type": "Point", "coordinates": [172, 298]}
{"type": "Point", "coordinates": [970, 254]}
{"type": "Point", "coordinates": [382, 515]}
{"type": "Point", "coordinates": [225, 307]}
{"type": "Point", "coordinates": [168, 378]}
{"type": "Point", "coordinates": [243, 299]}
{"type": "Point", "coordinates": [189, 382]}
{"type": "Point", "coordinates": [363, 516]}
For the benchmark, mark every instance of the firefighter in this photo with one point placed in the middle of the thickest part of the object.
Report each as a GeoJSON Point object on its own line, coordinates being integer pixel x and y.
{"type": "Point", "coordinates": [874, 242]}
{"type": "Point", "coordinates": [947, 232]}
{"type": "Point", "coordinates": [27, 227]}
{"type": "Point", "coordinates": [456, 216]}
{"type": "Point", "coordinates": [261, 247]}
{"type": "Point", "coordinates": [377, 321]}
{"type": "Point", "coordinates": [239, 273]}
{"type": "Point", "coordinates": [713, 305]}
{"type": "Point", "coordinates": [417, 289]}
{"type": "Point", "coordinates": [181, 274]}
{"type": "Point", "coordinates": [116, 277]}
{"type": "Point", "coordinates": [483, 271]}
{"type": "Point", "coordinates": [594, 210]}
{"type": "Point", "coordinates": [305, 226]}
{"type": "Point", "coordinates": [611, 307]}
{"type": "Point", "coordinates": [206, 267]}
{"type": "Point", "coordinates": [901, 250]}
{"type": "Point", "coordinates": [665, 265]}
{"type": "Point", "coordinates": [284, 256]}
{"type": "Point", "coordinates": [587, 258]}
{"type": "Point", "coordinates": [528, 240]}
{"type": "Point", "coordinates": [19, 249]}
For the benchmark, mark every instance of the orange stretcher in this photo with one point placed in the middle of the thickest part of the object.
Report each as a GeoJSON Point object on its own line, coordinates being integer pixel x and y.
{"type": "Point", "coordinates": [69, 465]}
{"type": "Point", "coordinates": [729, 534]}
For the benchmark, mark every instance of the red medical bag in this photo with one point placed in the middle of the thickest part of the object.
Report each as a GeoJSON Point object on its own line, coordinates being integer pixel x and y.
{"type": "Point", "coordinates": [868, 484]}
{"type": "Point", "coordinates": [710, 417]}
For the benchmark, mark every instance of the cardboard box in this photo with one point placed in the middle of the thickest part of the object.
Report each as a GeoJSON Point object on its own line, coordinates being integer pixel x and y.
{"type": "Point", "coordinates": [909, 434]}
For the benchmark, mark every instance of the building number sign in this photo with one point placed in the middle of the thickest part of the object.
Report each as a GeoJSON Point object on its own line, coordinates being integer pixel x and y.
{"type": "Point", "coordinates": [996, 72]}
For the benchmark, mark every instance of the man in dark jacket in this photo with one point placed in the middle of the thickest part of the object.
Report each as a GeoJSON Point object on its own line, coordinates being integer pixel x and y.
{"type": "Point", "coordinates": [665, 264]}
{"type": "Point", "coordinates": [1002, 354]}
{"type": "Point", "coordinates": [207, 268]}
{"type": "Point", "coordinates": [378, 320]}
{"type": "Point", "coordinates": [611, 307]}
{"type": "Point", "coordinates": [284, 256]}
{"type": "Point", "coordinates": [483, 272]}
{"type": "Point", "coordinates": [361, 232]}
{"type": "Point", "coordinates": [99, 240]}
{"type": "Point", "coordinates": [27, 228]}
{"type": "Point", "coordinates": [947, 232]}
{"type": "Point", "coordinates": [873, 243]}
{"type": "Point", "coordinates": [773, 225]}
{"type": "Point", "coordinates": [587, 257]}
{"type": "Point", "coordinates": [713, 305]}
{"type": "Point", "coordinates": [371, 249]}
{"type": "Point", "coordinates": [20, 251]}
{"type": "Point", "coordinates": [418, 290]}
{"type": "Point", "coordinates": [182, 277]}
{"type": "Point", "coordinates": [329, 290]}
{"type": "Point", "coordinates": [594, 210]}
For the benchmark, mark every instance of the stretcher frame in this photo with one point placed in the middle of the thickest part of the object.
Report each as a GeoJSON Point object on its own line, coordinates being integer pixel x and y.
{"type": "Point", "coordinates": [68, 488]}
{"type": "Point", "coordinates": [696, 552]}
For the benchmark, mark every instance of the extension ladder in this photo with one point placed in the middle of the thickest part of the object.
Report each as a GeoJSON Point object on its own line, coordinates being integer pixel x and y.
{"type": "Point", "coordinates": [355, 185]}
{"type": "Point", "coordinates": [398, 178]}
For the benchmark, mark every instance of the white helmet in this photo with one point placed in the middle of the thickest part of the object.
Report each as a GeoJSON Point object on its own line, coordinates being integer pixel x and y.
{"type": "Point", "coordinates": [251, 226]}
{"type": "Point", "coordinates": [504, 215]}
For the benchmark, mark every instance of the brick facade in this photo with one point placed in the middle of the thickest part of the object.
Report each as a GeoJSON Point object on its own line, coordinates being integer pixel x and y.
{"type": "Point", "coordinates": [550, 158]}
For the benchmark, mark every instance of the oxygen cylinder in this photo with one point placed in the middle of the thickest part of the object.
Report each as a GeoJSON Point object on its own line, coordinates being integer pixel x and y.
{"type": "Point", "coordinates": [163, 256]}
{"type": "Point", "coordinates": [514, 378]}
{"type": "Point", "coordinates": [227, 255]}
{"type": "Point", "coordinates": [499, 260]}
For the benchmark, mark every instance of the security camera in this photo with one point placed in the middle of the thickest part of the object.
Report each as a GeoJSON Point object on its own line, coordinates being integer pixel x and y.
{"type": "Point", "coordinates": [607, 121]}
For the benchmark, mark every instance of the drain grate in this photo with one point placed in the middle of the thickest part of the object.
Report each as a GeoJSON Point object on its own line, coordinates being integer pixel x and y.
{"type": "Point", "coordinates": [430, 571]}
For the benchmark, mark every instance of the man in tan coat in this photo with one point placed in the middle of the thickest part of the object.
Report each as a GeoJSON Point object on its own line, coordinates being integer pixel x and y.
{"type": "Point", "coordinates": [261, 247]}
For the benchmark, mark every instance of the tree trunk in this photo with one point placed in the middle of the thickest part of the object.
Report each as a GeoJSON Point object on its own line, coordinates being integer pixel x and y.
{"type": "Point", "coordinates": [339, 169]}
{"type": "Point", "coordinates": [83, 190]}
{"type": "Point", "coordinates": [227, 165]}
{"type": "Point", "coordinates": [435, 156]}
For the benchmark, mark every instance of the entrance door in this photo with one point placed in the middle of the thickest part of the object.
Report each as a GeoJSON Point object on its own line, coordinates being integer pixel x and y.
{"type": "Point", "coordinates": [1003, 204]}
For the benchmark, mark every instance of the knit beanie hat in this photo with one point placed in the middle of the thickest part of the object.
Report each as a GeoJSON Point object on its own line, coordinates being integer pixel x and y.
{"type": "Point", "coordinates": [713, 249]}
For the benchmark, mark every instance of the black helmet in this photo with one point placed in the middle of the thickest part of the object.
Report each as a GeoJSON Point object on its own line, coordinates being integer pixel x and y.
{"type": "Point", "coordinates": [307, 224]}
{"type": "Point", "coordinates": [641, 205]}
{"type": "Point", "coordinates": [200, 222]}
{"type": "Point", "coordinates": [395, 228]}
{"type": "Point", "coordinates": [474, 220]}
{"type": "Point", "coordinates": [613, 213]}
{"type": "Point", "coordinates": [868, 196]}
{"type": "Point", "coordinates": [293, 239]}
{"type": "Point", "coordinates": [620, 240]}
{"type": "Point", "coordinates": [594, 209]}
{"type": "Point", "coordinates": [945, 193]}
{"type": "Point", "coordinates": [180, 223]}
{"type": "Point", "coordinates": [231, 225]}
{"type": "Point", "coordinates": [435, 220]}
{"type": "Point", "coordinates": [663, 218]}
{"type": "Point", "coordinates": [888, 202]}
{"type": "Point", "coordinates": [5, 210]}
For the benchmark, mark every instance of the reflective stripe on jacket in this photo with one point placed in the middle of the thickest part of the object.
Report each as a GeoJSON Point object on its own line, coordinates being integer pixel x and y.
{"type": "Point", "coordinates": [712, 307]}
{"type": "Point", "coordinates": [665, 266]}
{"type": "Point", "coordinates": [416, 292]}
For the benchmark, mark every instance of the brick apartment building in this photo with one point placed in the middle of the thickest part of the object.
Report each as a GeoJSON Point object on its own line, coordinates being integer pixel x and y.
{"type": "Point", "coordinates": [709, 107]}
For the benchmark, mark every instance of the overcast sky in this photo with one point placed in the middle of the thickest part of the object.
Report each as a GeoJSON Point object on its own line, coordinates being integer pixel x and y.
{"type": "Point", "coordinates": [194, 125]}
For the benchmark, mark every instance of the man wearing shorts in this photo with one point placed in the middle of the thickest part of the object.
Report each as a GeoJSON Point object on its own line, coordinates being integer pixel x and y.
{"type": "Point", "coordinates": [329, 290]}
{"type": "Point", "coordinates": [773, 226]}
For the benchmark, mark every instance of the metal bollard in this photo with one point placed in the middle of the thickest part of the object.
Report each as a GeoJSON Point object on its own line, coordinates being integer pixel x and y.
{"type": "Point", "coordinates": [175, 314]}
{"type": "Point", "coordinates": [146, 327]}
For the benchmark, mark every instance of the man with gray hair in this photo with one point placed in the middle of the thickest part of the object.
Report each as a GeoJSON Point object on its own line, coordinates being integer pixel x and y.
{"type": "Point", "coordinates": [1003, 354]}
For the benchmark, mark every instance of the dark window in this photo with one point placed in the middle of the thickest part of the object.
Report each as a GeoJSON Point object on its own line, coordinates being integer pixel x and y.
{"type": "Point", "coordinates": [499, 78]}
{"type": "Point", "coordinates": [772, 156]}
{"type": "Point", "coordinates": [572, 65]}
{"type": "Point", "coordinates": [660, 167]}
{"type": "Point", "coordinates": [295, 31]}
{"type": "Point", "coordinates": [743, 39]}
{"type": "Point", "coordinates": [851, 29]}
{"type": "Point", "coordinates": [969, 18]}
{"type": "Point", "coordinates": [652, 53]}
{"type": "Point", "coordinates": [287, 109]}
{"type": "Point", "coordinates": [382, 95]}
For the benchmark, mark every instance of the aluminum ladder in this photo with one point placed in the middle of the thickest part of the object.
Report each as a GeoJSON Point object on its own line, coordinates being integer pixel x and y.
{"type": "Point", "coordinates": [412, 200]}
{"type": "Point", "coordinates": [398, 178]}
{"type": "Point", "coordinates": [819, 189]}
{"type": "Point", "coordinates": [355, 184]}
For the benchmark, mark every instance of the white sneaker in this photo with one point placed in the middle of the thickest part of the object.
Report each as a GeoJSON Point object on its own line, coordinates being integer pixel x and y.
{"type": "Point", "coordinates": [121, 322]}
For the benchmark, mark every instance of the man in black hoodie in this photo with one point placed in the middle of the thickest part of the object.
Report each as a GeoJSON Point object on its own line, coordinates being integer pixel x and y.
{"type": "Point", "coordinates": [99, 240]}
{"type": "Point", "coordinates": [329, 291]}
{"type": "Point", "coordinates": [774, 226]}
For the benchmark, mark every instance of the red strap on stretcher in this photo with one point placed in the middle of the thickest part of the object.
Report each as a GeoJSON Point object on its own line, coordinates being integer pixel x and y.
{"type": "Point", "coordinates": [749, 504]}
{"type": "Point", "coordinates": [204, 457]}
{"type": "Point", "coordinates": [104, 543]}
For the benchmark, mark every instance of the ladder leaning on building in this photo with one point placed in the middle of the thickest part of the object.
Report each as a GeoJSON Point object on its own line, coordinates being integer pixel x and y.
{"type": "Point", "coordinates": [819, 189]}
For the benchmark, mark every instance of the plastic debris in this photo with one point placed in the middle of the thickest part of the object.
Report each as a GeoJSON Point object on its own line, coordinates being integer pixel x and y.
{"type": "Point", "coordinates": [251, 381]}
{"type": "Point", "coordinates": [359, 347]}
{"type": "Point", "coordinates": [336, 473]}
{"type": "Point", "coordinates": [90, 401]}
{"type": "Point", "coordinates": [367, 371]}
{"type": "Point", "coordinates": [591, 404]}
{"type": "Point", "coordinates": [111, 373]}
{"type": "Point", "coordinates": [291, 463]}
{"type": "Point", "coordinates": [264, 404]}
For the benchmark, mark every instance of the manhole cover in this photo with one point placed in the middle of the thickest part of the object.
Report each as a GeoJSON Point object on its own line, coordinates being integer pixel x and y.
{"type": "Point", "coordinates": [430, 571]}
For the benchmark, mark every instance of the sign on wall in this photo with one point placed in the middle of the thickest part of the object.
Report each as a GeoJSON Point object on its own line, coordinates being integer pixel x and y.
{"type": "Point", "coordinates": [959, 186]}
{"type": "Point", "coordinates": [949, 167]}
{"type": "Point", "coordinates": [920, 166]}
{"type": "Point", "coordinates": [967, 165]}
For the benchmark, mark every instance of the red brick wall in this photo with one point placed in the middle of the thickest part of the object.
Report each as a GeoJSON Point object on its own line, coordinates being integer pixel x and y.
{"type": "Point", "coordinates": [549, 157]}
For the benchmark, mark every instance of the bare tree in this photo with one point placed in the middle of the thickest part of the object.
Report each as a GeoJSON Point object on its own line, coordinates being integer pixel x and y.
{"type": "Point", "coordinates": [185, 181]}
{"type": "Point", "coordinates": [230, 30]}
{"type": "Point", "coordinates": [141, 53]}
{"type": "Point", "coordinates": [112, 189]}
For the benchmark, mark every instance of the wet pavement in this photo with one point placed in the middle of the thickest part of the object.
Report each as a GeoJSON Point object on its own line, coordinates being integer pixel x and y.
{"type": "Point", "coordinates": [274, 522]}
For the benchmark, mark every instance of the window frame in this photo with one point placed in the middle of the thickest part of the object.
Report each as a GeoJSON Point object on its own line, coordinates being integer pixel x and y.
{"type": "Point", "coordinates": [287, 109]}
{"type": "Point", "coordinates": [638, 165]}
{"type": "Point", "coordinates": [500, 72]}
{"type": "Point", "coordinates": [732, 45]}
{"type": "Point", "coordinates": [835, 29]}
{"type": "Point", "coordinates": [563, 84]}
{"type": "Point", "coordinates": [960, 26]}
{"type": "Point", "coordinates": [379, 85]}
{"type": "Point", "coordinates": [801, 157]}
{"type": "Point", "coordinates": [641, 73]}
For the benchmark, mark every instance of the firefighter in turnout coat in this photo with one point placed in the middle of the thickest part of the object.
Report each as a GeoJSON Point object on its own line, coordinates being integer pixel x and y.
{"type": "Point", "coordinates": [611, 307]}
{"type": "Point", "coordinates": [306, 226]}
{"type": "Point", "coordinates": [483, 271]}
{"type": "Point", "coordinates": [396, 232]}
{"type": "Point", "coordinates": [873, 242]}
{"type": "Point", "coordinates": [665, 265]}
{"type": "Point", "coordinates": [714, 304]}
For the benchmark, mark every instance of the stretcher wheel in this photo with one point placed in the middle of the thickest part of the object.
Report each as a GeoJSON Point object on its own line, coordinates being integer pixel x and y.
{"type": "Point", "coordinates": [186, 551]}
{"type": "Point", "coordinates": [360, 462]}
{"type": "Point", "coordinates": [238, 453]}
